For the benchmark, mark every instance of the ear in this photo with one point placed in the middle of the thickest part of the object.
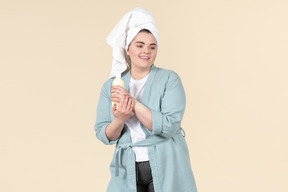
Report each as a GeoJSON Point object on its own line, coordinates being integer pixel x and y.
{"type": "Point", "coordinates": [127, 52]}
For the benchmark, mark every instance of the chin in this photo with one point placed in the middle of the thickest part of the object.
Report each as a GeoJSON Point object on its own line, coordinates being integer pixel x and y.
{"type": "Point", "coordinates": [143, 66]}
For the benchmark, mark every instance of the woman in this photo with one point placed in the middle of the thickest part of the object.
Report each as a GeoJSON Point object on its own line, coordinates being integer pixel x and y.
{"type": "Point", "coordinates": [151, 153]}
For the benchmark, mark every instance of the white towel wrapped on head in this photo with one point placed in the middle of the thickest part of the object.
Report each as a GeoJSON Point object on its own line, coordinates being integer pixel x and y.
{"type": "Point", "coordinates": [125, 31]}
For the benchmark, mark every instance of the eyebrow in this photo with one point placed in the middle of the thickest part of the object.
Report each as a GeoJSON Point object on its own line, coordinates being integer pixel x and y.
{"type": "Point", "coordinates": [144, 43]}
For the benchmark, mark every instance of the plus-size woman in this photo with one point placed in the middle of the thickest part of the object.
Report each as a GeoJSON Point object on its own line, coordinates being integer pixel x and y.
{"type": "Point", "coordinates": [151, 153]}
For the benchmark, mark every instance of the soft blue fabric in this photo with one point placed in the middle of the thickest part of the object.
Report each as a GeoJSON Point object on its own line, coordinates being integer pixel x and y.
{"type": "Point", "coordinates": [168, 153]}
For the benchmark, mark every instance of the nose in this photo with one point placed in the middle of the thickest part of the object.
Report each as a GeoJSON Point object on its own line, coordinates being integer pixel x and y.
{"type": "Point", "coordinates": [146, 50]}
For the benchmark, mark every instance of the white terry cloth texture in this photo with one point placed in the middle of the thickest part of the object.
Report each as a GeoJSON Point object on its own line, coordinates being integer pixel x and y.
{"type": "Point", "coordinates": [125, 31]}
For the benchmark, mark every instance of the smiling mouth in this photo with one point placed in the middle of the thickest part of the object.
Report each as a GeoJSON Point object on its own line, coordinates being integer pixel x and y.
{"type": "Point", "coordinates": [145, 58]}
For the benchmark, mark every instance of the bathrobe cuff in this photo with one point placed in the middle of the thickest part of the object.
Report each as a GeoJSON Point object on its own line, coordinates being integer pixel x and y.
{"type": "Point", "coordinates": [101, 135]}
{"type": "Point", "coordinates": [104, 117]}
{"type": "Point", "coordinates": [166, 121]}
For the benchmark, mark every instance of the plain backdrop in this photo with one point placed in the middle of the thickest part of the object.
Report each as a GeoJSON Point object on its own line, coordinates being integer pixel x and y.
{"type": "Point", "coordinates": [230, 54]}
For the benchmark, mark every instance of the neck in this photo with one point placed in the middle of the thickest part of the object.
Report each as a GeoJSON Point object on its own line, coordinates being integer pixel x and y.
{"type": "Point", "coordinates": [139, 73]}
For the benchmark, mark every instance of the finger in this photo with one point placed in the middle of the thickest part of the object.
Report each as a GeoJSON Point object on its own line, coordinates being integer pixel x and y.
{"type": "Point", "coordinates": [115, 100]}
{"type": "Point", "coordinates": [130, 105]}
{"type": "Point", "coordinates": [118, 87]}
{"type": "Point", "coordinates": [116, 96]}
{"type": "Point", "coordinates": [120, 106]}
{"type": "Point", "coordinates": [125, 102]}
{"type": "Point", "coordinates": [114, 108]}
{"type": "Point", "coordinates": [115, 91]}
{"type": "Point", "coordinates": [118, 92]}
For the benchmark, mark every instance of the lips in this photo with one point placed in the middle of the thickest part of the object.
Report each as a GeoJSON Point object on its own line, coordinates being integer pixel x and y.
{"type": "Point", "coordinates": [144, 58]}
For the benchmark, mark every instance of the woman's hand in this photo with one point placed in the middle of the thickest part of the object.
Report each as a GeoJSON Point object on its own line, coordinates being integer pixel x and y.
{"type": "Point", "coordinates": [118, 90]}
{"type": "Point", "coordinates": [121, 114]}
{"type": "Point", "coordinates": [125, 103]}
{"type": "Point", "coordinates": [128, 105]}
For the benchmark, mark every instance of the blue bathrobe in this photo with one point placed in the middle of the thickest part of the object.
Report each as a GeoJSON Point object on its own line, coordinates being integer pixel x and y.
{"type": "Point", "coordinates": [168, 153]}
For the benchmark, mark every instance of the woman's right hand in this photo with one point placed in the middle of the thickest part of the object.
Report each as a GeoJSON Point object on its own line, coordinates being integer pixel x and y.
{"type": "Point", "coordinates": [125, 107]}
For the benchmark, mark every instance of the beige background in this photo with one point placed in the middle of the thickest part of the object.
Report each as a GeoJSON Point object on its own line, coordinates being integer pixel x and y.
{"type": "Point", "coordinates": [230, 54]}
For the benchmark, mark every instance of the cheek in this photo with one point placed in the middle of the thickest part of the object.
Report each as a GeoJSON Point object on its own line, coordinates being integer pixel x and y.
{"type": "Point", "coordinates": [133, 52]}
{"type": "Point", "coordinates": [154, 55]}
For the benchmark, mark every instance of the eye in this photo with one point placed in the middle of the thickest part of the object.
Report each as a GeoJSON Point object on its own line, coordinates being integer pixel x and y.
{"type": "Point", "coordinates": [152, 48]}
{"type": "Point", "coordinates": [140, 46]}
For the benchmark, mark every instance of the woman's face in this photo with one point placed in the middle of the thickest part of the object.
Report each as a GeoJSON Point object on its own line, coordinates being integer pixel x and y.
{"type": "Point", "coordinates": [142, 51]}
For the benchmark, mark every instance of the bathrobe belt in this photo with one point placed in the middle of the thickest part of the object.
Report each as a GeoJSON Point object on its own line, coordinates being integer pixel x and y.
{"type": "Point", "coordinates": [150, 141]}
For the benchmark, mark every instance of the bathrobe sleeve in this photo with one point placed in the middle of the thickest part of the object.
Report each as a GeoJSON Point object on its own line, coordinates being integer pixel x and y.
{"type": "Point", "coordinates": [104, 114]}
{"type": "Point", "coordinates": [168, 120]}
